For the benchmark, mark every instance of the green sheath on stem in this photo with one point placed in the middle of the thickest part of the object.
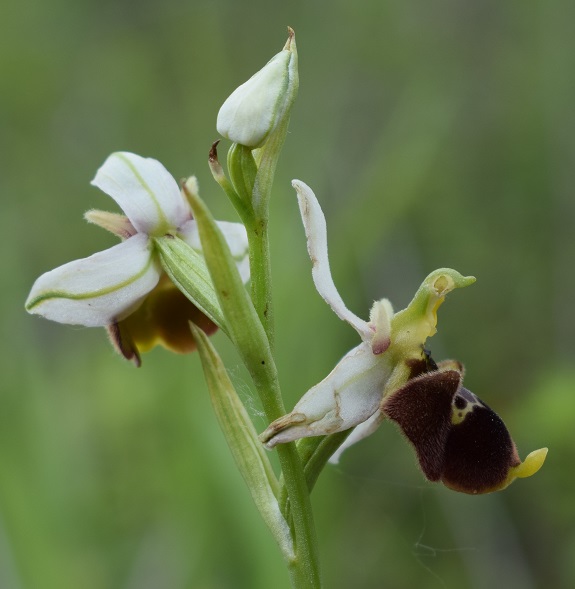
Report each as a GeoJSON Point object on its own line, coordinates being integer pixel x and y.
{"type": "Point", "coordinates": [242, 439]}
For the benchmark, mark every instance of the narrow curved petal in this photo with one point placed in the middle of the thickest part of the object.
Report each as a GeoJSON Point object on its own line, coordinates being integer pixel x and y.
{"type": "Point", "coordinates": [349, 395]}
{"type": "Point", "coordinates": [316, 233]}
{"type": "Point", "coordinates": [97, 290]}
{"type": "Point", "coordinates": [145, 191]}
{"type": "Point", "coordinates": [236, 238]}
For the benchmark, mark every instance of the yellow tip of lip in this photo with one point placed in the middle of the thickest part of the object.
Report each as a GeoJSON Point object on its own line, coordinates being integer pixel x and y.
{"type": "Point", "coordinates": [531, 464]}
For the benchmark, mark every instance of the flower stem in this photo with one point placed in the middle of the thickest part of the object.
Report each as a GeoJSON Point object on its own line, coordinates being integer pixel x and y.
{"type": "Point", "coordinates": [304, 568]}
{"type": "Point", "coordinates": [260, 268]}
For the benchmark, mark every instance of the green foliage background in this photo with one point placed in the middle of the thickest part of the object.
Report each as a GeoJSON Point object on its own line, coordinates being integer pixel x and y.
{"type": "Point", "coordinates": [435, 134]}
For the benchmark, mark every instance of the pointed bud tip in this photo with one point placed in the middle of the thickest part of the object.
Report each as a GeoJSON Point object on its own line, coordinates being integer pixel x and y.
{"type": "Point", "coordinates": [290, 43]}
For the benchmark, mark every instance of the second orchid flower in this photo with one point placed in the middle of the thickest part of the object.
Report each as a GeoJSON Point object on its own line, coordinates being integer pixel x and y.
{"type": "Point", "coordinates": [457, 438]}
{"type": "Point", "coordinates": [126, 288]}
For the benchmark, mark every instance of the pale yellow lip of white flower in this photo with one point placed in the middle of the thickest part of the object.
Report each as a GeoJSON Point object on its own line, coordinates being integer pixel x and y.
{"type": "Point", "coordinates": [109, 285]}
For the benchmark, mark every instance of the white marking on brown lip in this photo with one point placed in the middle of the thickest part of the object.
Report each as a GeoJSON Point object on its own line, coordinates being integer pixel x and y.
{"type": "Point", "coordinates": [459, 410]}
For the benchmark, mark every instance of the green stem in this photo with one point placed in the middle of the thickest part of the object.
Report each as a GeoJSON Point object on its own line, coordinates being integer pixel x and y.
{"type": "Point", "coordinates": [304, 568]}
{"type": "Point", "coordinates": [260, 263]}
{"type": "Point", "coordinates": [260, 268]}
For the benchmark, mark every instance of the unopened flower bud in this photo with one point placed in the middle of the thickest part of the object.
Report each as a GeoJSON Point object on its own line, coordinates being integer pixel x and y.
{"type": "Point", "coordinates": [255, 109]}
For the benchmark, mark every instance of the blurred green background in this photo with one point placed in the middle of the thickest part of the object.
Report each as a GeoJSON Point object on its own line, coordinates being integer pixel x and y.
{"type": "Point", "coordinates": [435, 134]}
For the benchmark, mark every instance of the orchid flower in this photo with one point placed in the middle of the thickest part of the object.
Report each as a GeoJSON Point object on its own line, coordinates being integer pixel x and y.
{"type": "Point", "coordinates": [458, 439]}
{"type": "Point", "coordinates": [125, 288]}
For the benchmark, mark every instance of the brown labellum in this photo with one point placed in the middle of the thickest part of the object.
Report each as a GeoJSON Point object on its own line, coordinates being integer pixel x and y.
{"type": "Point", "coordinates": [422, 409]}
{"type": "Point", "coordinates": [458, 439]}
{"type": "Point", "coordinates": [479, 451]}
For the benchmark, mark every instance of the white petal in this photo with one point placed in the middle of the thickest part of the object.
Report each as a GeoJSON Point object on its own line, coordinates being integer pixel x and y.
{"type": "Point", "coordinates": [349, 395]}
{"type": "Point", "coordinates": [98, 290]}
{"type": "Point", "coordinates": [316, 233]}
{"type": "Point", "coordinates": [380, 322]}
{"type": "Point", "coordinates": [236, 238]}
{"type": "Point", "coordinates": [359, 433]}
{"type": "Point", "coordinates": [145, 191]}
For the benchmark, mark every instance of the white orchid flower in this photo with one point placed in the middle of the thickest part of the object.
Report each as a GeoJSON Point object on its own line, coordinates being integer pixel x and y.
{"type": "Point", "coordinates": [458, 439]}
{"type": "Point", "coordinates": [390, 353]}
{"type": "Point", "coordinates": [124, 287]}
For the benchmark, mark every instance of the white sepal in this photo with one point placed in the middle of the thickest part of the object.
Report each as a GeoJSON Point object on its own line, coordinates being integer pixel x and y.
{"type": "Point", "coordinates": [349, 395]}
{"type": "Point", "coordinates": [98, 290]}
{"type": "Point", "coordinates": [145, 191]}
